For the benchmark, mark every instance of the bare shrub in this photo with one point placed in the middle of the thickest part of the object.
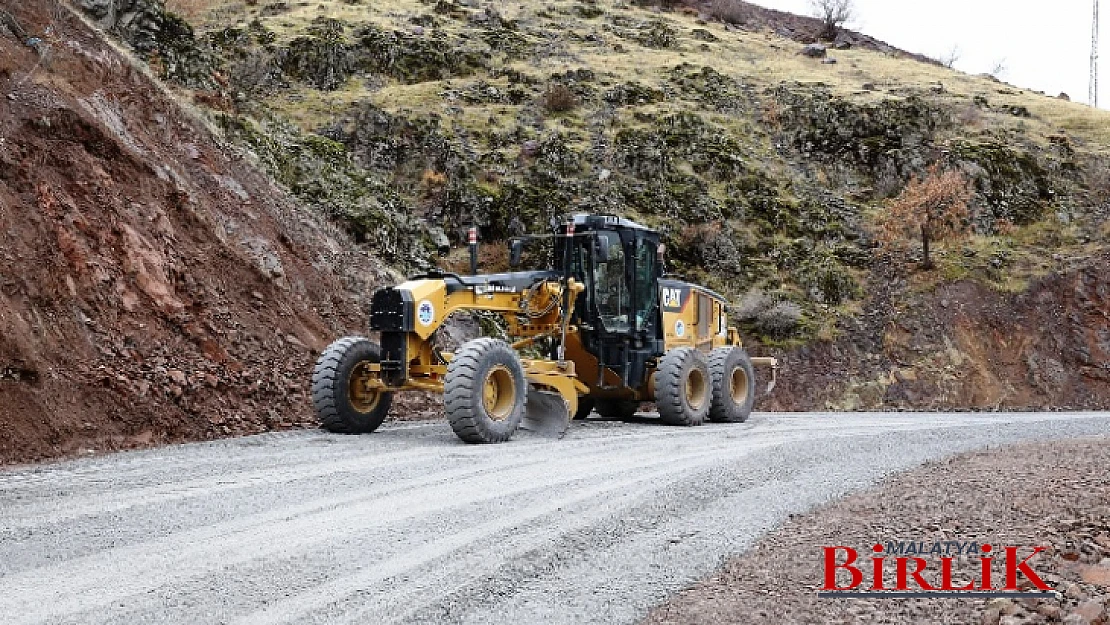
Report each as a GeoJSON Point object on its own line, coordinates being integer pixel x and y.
{"type": "Point", "coordinates": [834, 14]}
{"type": "Point", "coordinates": [751, 305]}
{"type": "Point", "coordinates": [433, 179]}
{"type": "Point", "coordinates": [781, 320]}
{"type": "Point", "coordinates": [971, 116]}
{"type": "Point", "coordinates": [559, 99]}
{"type": "Point", "coordinates": [998, 69]}
{"type": "Point", "coordinates": [950, 58]}
{"type": "Point", "coordinates": [929, 209]}
{"type": "Point", "coordinates": [732, 12]}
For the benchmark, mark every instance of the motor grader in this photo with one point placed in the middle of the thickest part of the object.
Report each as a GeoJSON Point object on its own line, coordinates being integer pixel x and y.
{"type": "Point", "coordinates": [600, 329]}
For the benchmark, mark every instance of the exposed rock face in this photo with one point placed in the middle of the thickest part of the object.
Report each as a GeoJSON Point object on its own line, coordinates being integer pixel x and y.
{"type": "Point", "coordinates": [968, 347]}
{"type": "Point", "coordinates": [152, 287]}
{"type": "Point", "coordinates": [150, 30]}
{"type": "Point", "coordinates": [139, 22]}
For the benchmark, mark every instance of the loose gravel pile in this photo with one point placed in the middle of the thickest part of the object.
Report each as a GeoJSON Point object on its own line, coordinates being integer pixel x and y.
{"type": "Point", "coordinates": [1055, 495]}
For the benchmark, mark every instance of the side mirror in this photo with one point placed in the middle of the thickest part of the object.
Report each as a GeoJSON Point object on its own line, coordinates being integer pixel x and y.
{"type": "Point", "coordinates": [516, 250]}
{"type": "Point", "coordinates": [602, 249]}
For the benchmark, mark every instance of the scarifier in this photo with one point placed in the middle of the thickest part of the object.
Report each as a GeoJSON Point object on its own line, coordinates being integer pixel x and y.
{"type": "Point", "coordinates": [606, 329]}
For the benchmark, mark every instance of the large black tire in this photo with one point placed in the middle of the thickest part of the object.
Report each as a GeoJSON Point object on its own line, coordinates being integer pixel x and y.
{"type": "Point", "coordinates": [585, 407]}
{"type": "Point", "coordinates": [683, 390]}
{"type": "Point", "coordinates": [341, 408]}
{"type": "Point", "coordinates": [622, 409]}
{"type": "Point", "coordinates": [485, 391]}
{"type": "Point", "coordinates": [733, 377]}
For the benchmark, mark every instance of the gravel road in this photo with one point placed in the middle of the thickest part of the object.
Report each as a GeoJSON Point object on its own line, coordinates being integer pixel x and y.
{"type": "Point", "coordinates": [410, 525]}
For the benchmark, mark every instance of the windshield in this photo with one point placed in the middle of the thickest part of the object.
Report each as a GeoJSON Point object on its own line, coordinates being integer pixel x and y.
{"type": "Point", "coordinates": [614, 298]}
{"type": "Point", "coordinates": [646, 293]}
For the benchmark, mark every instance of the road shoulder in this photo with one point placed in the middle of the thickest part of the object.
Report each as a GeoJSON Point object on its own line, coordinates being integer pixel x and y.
{"type": "Point", "coordinates": [1054, 494]}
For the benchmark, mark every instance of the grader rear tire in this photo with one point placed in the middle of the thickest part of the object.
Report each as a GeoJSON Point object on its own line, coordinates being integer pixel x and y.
{"type": "Point", "coordinates": [733, 385]}
{"type": "Point", "coordinates": [683, 390]}
{"type": "Point", "coordinates": [485, 391]}
{"type": "Point", "coordinates": [342, 406]}
{"type": "Point", "coordinates": [622, 409]}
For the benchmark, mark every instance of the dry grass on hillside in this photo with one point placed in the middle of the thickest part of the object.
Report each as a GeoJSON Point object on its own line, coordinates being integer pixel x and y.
{"type": "Point", "coordinates": [759, 58]}
{"type": "Point", "coordinates": [192, 10]}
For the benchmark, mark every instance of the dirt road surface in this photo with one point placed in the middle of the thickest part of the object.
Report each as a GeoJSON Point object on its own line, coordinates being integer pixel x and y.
{"type": "Point", "coordinates": [410, 525]}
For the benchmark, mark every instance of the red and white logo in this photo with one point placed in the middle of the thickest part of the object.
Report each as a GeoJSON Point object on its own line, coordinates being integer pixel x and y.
{"type": "Point", "coordinates": [927, 569]}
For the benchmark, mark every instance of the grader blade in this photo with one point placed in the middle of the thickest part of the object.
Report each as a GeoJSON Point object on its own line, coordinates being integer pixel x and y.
{"type": "Point", "coordinates": [546, 414]}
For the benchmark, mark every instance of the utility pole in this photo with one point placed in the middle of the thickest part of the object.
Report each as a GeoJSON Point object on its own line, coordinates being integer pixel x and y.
{"type": "Point", "coordinates": [1093, 98]}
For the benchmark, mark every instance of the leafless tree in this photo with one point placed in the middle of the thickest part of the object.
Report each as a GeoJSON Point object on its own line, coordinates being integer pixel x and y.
{"type": "Point", "coordinates": [998, 69]}
{"type": "Point", "coordinates": [952, 57]}
{"type": "Point", "coordinates": [833, 14]}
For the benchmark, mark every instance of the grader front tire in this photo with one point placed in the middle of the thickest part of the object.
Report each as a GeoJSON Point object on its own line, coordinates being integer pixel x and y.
{"type": "Point", "coordinates": [485, 391]}
{"type": "Point", "coordinates": [341, 402]}
{"type": "Point", "coordinates": [683, 390]}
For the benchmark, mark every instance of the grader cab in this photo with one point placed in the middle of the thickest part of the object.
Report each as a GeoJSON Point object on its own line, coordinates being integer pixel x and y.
{"type": "Point", "coordinates": [600, 329]}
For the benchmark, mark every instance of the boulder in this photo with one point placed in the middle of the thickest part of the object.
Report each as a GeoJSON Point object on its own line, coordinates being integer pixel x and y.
{"type": "Point", "coordinates": [99, 10]}
{"type": "Point", "coordinates": [815, 51]}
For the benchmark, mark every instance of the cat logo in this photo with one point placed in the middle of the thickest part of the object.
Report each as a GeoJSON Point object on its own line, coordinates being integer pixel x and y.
{"type": "Point", "coordinates": [672, 298]}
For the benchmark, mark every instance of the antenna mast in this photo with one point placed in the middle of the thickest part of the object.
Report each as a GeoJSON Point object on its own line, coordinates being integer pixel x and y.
{"type": "Point", "coordinates": [1093, 98]}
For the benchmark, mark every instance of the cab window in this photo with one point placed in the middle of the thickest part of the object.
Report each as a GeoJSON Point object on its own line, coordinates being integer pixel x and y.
{"type": "Point", "coordinates": [647, 296]}
{"type": "Point", "coordinates": [611, 286]}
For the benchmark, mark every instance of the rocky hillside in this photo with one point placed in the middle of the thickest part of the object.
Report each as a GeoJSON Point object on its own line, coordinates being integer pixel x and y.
{"type": "Point", "coordinates": [183, 232]}
{"type": "Point", "coordinates": [153, 285]}
{"type": "Point", "coordinates": [766, 169]}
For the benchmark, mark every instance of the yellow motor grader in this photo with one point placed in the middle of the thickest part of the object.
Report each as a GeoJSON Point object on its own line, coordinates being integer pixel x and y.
{"type": "Point", "coordinates": [605, 329]}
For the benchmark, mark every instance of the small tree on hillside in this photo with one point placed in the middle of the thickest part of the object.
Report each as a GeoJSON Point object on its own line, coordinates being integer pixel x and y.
{"type": "Point", "coordinates": [932, 208]}
{"type": "Point", "coordinates": [833, 14]}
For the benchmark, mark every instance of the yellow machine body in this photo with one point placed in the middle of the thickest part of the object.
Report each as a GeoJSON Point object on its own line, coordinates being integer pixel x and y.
{"type": "Point", "coordinates": [603, 323]}
{"type": "Point", "coordinates": [434, 304]}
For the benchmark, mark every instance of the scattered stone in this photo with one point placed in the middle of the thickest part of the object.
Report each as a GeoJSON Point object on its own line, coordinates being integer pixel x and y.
{"type": "Point", "coordinates": [1097, 575]}
{"type": "Point", "coordinates": [177, 376]}
{"type": "Point", "coordinates": [814, 51]}
{"type": "Point", "coordinates": [704, 35]}
{"type": "Point", "coordinates": [1050, 611]}
{"type": "Point", "coordinates": [1090, 610]}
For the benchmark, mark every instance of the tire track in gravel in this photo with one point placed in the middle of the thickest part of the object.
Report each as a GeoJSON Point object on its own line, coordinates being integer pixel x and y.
{"type": "Point", "coordinates": [43, 593]}
{"type": "Point", "coordinates": [536, 529]}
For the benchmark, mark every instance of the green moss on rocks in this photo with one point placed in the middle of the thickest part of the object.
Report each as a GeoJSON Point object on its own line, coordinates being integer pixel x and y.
{"type": "Point", "coordinates": [633, 94]}
{"type": "Point", "coordinates": [711, 88]}
{"type": "Point", "coordinates": [1012, 185]}
{"type": "Point", "coordinates": [320, 172]}
{"type": "Point", "coordinates": [323, 58]}
{"type": "Point", "coordinates": [656, 34]}
{"type": "Point", "coordinates": [677, 140]}
{"type": "Point", "coordinates": [893, 131]}
{"type": "Point", "coordinates": [414, 58]}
